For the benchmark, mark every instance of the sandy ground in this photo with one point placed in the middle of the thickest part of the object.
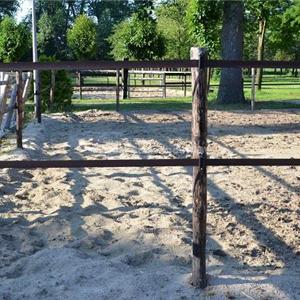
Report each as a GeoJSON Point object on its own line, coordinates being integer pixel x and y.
{"type": "Point", "coordinates": [110, 93]}
{"type": "Point", "coordinates": [126, 233]}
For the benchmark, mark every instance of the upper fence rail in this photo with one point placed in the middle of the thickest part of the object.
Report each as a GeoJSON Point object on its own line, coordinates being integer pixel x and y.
{"type": "Point", "coordinates": [100, 65]}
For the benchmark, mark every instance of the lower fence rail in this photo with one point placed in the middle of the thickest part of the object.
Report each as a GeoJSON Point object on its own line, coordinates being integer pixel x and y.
{"type": "Point", "coordinates": [125, 163]}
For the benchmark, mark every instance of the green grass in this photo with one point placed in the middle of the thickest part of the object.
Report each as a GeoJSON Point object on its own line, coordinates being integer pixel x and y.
{"type": "Point", "coordinates": [270, 97]}
{"type": "Point", "coordinates": [183, 103]}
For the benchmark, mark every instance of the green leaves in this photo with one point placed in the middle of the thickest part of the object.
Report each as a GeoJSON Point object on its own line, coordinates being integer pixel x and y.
{"type": "Point", "coordinates": [14, 40]}
{"type": "Point", "coordinates": [171, 19]}
{"type": "Point", "coordinates": [204, 20]}
{"type": "Point", "coordinates": [82, 38]}
{"type": "Point", "coordinates": [138, 37]}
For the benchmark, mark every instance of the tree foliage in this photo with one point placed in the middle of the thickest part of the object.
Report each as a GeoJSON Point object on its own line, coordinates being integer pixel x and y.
{"type": "Point", "coordinates": [14, 40]}
{"type": "Point", "coordinates": [63, 89]}
{"type": "Point", "coordinates": [172, 23]}
{"type": "Point", "coordinates": [285, 38]}
{"type": "Point", "coordinates": [108, 14]}
{"type": "Point", "coordinates": [138, 37]}
{"type": "Point", "coordinates": [82, 38]}
{"type": "Point", "coordinates": [204, 20]}
{"type": "Point", "coordinates": [52, 34]}
{"type": "Point", "coordinates": [8, 8]}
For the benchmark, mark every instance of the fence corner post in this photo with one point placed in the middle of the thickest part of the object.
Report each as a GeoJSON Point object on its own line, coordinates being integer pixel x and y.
{"type": "Point", "coordinates": [199, 145]}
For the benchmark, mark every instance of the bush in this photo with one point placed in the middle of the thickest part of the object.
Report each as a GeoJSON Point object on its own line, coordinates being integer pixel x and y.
{"type": "Point", "coordinates": [14, 40]}
{"type": "Point", "coordinates": [138, 37]}
{"type": "Point", "coordinates": [63, 90]}
{"type": "Point", "coordinates": [82, 38]}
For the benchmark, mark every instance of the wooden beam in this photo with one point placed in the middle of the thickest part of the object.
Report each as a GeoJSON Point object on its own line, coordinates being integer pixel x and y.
{"type": "Point", "coordinates": [199, 144]}
{"type": "Point", "coordinates": [252, 88]}
{"type": "Point", "coordinates": [80, 81]}
{"type": "Point", "coordinates": [3, 98]}
{"type": "Point", "coordinates": [125, 82]}
{"type": "Point", "coordinates": [117, 90]}
{"type": "Point", "coordinates": [145, 163]}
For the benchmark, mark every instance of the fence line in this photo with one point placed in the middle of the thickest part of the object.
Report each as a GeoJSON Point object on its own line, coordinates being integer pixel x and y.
{"type": "Point", "coordinates": [18, 88]}
{"type": "Point", "coordinates": [128, 163]}
{"type": "Point", "coordinates": [199, 64]}
{"type": "Point", "coordinates": [98, 65]}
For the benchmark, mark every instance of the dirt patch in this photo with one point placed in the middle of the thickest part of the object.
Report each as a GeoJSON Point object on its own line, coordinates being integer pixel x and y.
{"type": "Point", "coordinates": [126, 233]}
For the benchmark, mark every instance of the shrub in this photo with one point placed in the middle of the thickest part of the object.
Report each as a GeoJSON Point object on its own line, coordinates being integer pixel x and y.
{"type": "Point", "coordinates": [82, 38]}
{"type": "Point", "coordinates": [63, 90]}
{"type": "Point", "coordinates": [14, 40]}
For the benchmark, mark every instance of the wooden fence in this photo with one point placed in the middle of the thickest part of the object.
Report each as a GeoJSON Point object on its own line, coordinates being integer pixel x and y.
{"type": "Point", "coordinates": [200, 161]}
{"type": "Point", "coordinates": [15, 86]}
{"type": "Point", "coordinates": [131, 81]}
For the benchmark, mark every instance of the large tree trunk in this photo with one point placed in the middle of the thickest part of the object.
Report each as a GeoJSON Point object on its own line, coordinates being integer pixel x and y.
{"type": "Point", "coordinates": [260, 51]}
{"type": "Point", "coordinates": [231, 83]}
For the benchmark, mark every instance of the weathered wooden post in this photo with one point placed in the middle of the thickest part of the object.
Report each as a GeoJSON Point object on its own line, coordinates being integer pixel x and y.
{"type": "Point", "coordinates": [252, 88]}
{"type": "Point", "coordinates": [80, 84]}
{"type": "Point", "coordinates": [20, 109]}
{"type": "Point", "coordinates": [3, 95]}
{"type": "Point", "coordinates": [125, 82]}
{"type": "Point", "coordinates": [117, 90]}
{"type": "Point", "coordinates": [199, 144]}
{"type": "Point", "coordinates": [164, 84]}
{"type": "Point", "coordinates": [184, 93]}
{"type": "Point", "coordinates": [128, 86]}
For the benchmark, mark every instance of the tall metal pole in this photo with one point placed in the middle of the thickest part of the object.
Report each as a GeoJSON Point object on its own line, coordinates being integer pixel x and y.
{"type": "Point", "coordinates": [36, 79]}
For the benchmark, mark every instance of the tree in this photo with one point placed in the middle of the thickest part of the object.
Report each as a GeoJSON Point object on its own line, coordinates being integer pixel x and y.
{"type": "Point", "coordinates": [8, 8]}
{"type": "Point", "coordinates": [52, 34]}
{"type": "Point", "coordinates": [285, 38]}
{"type": "Point", "coordinates": [266, 12]}
{"type": "Point", "coordinates": [82, 38]}
{"type": "Point", "coordinates": [62, 91]}
{"type": "Point", "coordinates": [108, 14]}
{"type": "Point", "coordinates": [14, 40]}
{"type": "Point", "coordinates": [204, 24]}
{"type": "Point", "coordinates": [138, 37]}
{"type": "Point", "coordinates": [231, 82]}
{"type": "Point", "coordinates": [172, 23]}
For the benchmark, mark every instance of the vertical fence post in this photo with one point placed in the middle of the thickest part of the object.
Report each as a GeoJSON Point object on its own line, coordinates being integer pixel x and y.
{"type": "Point", "coordinates": [117, 90]}
{"type": "Point", "coordinates": [252, 88]}
{"type": "Point", "coordinates": [128, 86]}
{"type": "Point", "coordinates": [199, 144]}
{"type": "Point", "coordinates": [19, 125]}
{"type": "Point", "coordinates": [125, 82]}
{"type": "Point", "coordinates": [80, 84]}
{"type": "Point", "coordinates": [164, 84]}
{"type": "Point", "coordinates": [184, 93]}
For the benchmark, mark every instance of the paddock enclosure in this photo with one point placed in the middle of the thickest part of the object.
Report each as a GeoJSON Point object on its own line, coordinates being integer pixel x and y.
{"type": "Point", "coordinates": [138, 223]}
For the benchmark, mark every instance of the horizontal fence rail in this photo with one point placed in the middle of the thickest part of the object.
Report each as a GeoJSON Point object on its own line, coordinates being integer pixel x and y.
{"type": "Point", "coordinates": [98, 65]}
{"type": "Point", "coordinates": [122, 163]}
{"type": "Point", "coordinates": [251, 64]}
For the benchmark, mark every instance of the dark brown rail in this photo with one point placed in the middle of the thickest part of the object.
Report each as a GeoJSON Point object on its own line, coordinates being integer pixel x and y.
{"type": "Point", "coordinates": [124, 163]}
{"type": "Point", "coordinates": [252, 64]}
{"type": "Point", "coordinates": [98, 65]}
